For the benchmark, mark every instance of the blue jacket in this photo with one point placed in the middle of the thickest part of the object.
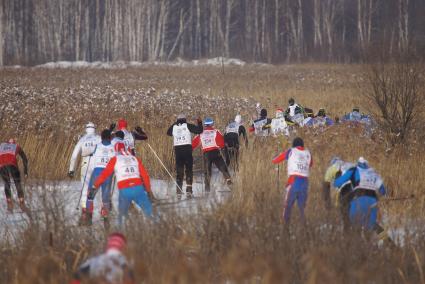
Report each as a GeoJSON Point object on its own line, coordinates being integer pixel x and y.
{"type": "Point", "coordinates": [354, 176]}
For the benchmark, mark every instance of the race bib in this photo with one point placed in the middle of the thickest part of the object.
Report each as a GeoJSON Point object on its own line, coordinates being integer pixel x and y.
{"type": "Point", "coordinates": [6, 148]}
{"type": "Point", "coordinates": [181, 135]}
{"type": "Point", "coordinates": [208, 139]}
{"type": "Point", "coordinates": [258, 128]}
{"type": "Point", "coordinates": [89, 145]}
{"type": "Point", "coordinates": [103, 155]}
{"type": "Point", "coordinates": [128, 139]}
{"type": "Point", "coordinates": [126, 167]}
{"type": "Point", "coordinates": [232, 128]}
{"type": "Point", "coordinates": [369, 179]}
{"type": "Point", "coordinates": [278, 126]}
{"type": "Point", "coordinates": [299, 162]}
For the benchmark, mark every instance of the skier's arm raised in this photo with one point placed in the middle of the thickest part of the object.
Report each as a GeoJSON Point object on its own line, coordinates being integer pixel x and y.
{"type": "Point", "coordinates": [196, 141]}
{"type": "Point", "coordinates": [196, 129]}
{"type": "Point", "coordinates": [139, 134]}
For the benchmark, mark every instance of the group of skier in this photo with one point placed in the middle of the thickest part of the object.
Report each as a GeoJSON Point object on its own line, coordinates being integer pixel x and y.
{"type": "Point", "coordinates": [109, 161]}
{"type": "Point", "coordinates": [285, 121]}
{"type": "Point", "coordinates": [101, 156]}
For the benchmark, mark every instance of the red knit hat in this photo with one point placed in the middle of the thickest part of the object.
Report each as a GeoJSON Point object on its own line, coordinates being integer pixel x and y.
{"type": "Point", "coordinates": [122, 123]}
{"type": "Point", "coordinates": [116, 241]}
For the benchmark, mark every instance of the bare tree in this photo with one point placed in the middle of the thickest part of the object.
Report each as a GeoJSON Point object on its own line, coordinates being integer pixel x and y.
{"type": "Point", "coordinates": [396, 89]}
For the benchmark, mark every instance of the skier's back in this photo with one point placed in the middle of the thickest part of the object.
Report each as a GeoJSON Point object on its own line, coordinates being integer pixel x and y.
{"type": "Point", "coordinates": [85, 146]}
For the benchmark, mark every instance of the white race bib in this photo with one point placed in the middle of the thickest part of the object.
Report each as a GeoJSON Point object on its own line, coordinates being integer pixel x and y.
{"type": "Point", "coordinates": [89, 143]}
{"type": "Point", "coordinates": [6, 148]}
{"type": "Point", "coordinates": [258, 128]}
{"type": "Point", "coordinates": [102, 155]}
{"type": "Point", "coordinates": [233, 127]}
{"type": "Point", "coordinates": [278, 126]}
{"type": "Point", "coordinates": [299, 162]}
{"type": "Point", "coordinates": [369, 179]}
{"type": "Point", "coordinates": [298, 118]}
{"type": "Point", "coordinates": [208, 139]}
{"type": "Point", "coordinates": [181, 135]}
{"type": "Point", "coordinates": [126, 168]}
{"type": "Point", "coordinates": [128, 139]}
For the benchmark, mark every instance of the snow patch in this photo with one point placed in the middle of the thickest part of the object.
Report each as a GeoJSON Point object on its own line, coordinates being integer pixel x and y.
{"type": "Point", "coordinates": [218, 61]}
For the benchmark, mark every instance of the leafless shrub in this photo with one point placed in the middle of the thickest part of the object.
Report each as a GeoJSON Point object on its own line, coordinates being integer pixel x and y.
{"type": "Point", "coordinates": [396, 91]}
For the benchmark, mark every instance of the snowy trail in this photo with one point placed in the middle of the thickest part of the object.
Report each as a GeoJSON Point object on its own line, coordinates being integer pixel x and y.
{"type": "Point", "coordinates": [61, 197]}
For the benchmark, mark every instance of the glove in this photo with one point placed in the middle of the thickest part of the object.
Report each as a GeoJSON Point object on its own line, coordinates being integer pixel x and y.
{"type": "Point", "coordinates": [71, 174]}
{"type": "Point", "coordinates": [112, 126]}
{"type": "Point", "coordinates": [139, 129]}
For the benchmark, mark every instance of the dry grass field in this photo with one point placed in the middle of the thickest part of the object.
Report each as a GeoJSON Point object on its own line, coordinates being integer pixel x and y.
{"type": "Point", "coordinates": [242, 240]}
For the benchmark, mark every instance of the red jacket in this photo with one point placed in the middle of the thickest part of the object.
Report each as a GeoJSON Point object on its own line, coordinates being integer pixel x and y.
{"type": "Point", "coordinates": [143, 178]}
{"type": "Point", "coordinates": [215, 142]}
{"type": "Point", "coordinates": [9, 153]}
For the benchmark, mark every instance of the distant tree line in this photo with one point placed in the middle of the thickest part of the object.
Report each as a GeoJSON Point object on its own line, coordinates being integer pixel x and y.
{"type": "Point", "coordinates": [274, 31]}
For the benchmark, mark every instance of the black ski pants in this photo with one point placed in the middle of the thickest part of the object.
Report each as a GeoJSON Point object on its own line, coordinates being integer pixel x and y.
{"type": "Point", "coordinates": [184, 165]}
{"type": "Point", "coordinates": [210, 158]}
{"type": "Point", "coordinates": [6, 172]}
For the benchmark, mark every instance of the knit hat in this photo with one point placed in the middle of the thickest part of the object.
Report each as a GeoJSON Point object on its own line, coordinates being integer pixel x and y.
{"type": "Point", "coordinates": [181, 116]}
{"type": "Point", "coordinates": [298, 142]}
{"type": "Point", "coordinates": [116, 241]}
{"type": "Point", "coordinates": [122, 123]}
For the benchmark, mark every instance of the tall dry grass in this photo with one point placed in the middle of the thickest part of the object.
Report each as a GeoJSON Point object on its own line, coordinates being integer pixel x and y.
{"type": "Point", "coordinates": [242, 240]}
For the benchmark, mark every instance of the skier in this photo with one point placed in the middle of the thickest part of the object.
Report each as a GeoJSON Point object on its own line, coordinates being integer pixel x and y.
{"type": "Point", "coordinates": [85, 147]}
{"type": "Point", "coordinates": [182, 140]}
{"type": "Point", "coordinates": [294, 112]}
{"type": "Point", "coordinates": [367, 186]}
{"type": "Point", "coordinates": [111, 267]}
{"type": "Point", "coordinates": [118, 142]}
{"type": "Point", "coordinates": [103, 152]}
{"type": "Point", "coordinates": [259, 127]}
{"type": "Point", "coordinates": [130, 136]}
{"type": "Point", "coordinates": [354, 116]}
{"type": "Point", "coordinates": [231, 139]}
{"type": "Point", "coordinates": [278, 125]}
{"type": "Point", "coordinates": [321, 120]}
{"type": "Point", "coordinates": [211, 141]}
{"type": "Point", "coordinates": [133, 183]}
{"type": "Point", "coordinates": [9, 167]}
{"type": "Point", "coordinates": [337, 168]}
{"type": "Point", "coordinates": [299, 164]}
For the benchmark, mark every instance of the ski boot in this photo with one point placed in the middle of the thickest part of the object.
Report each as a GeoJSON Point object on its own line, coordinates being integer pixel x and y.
{"type": "Point", "coordinates": [189, 192]}
{"type": "Point", "coordinates": [9, 205]}
{"type": "Point", "coordinates": [86, 218]}
{"type": "Point", "coordinates": [179, 192]}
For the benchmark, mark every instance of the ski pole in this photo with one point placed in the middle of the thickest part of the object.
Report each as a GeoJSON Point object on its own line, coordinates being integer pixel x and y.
{"type": "Point", "coordinates": [412, 196]}
{"type": "Point", "coordinates": [278, 167]}
{"type": "Point", "coordinates": [84, 182]}
{"type": "Point", "coordinates": [165, 168]}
